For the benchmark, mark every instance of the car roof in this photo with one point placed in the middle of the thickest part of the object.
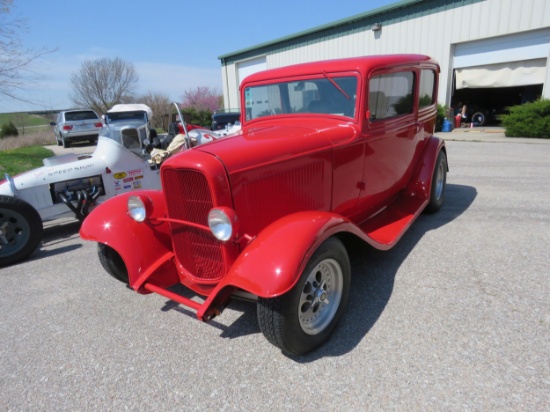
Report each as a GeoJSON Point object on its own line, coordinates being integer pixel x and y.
{"type": "Point", "coordinates": [362, 64]}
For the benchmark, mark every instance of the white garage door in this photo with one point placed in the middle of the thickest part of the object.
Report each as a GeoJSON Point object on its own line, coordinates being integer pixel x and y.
{"type": "Point", "coordinates": [515, 60]}
{"type": "Point", "coordinates": [248, 67]}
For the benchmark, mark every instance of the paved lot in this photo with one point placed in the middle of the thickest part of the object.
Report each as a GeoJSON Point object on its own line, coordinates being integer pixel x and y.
{"type": "Point", "coordinates": [456, 317]}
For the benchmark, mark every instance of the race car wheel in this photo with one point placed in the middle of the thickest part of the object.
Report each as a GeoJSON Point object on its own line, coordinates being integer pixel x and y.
{"type": "Point", "coordinates": [20, 230]}
{"type": "Point", "coordinates": [478, 118]}
{"type": "Point", "coordinates": [303, 318]}
{"type": "Point", "coordinates": [112, 262]}
{"type": "Point", "coordinates": [439, 183]}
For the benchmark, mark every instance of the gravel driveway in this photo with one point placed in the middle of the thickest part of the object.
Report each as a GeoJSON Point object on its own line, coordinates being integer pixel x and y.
{"type": "Point", "coordinates": [456, 317]}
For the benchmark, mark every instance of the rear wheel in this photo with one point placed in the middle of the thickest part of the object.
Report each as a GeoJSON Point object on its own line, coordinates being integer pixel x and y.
{"type": "Point", "coordinates": [439, 183]}
{"type": "Point", "coordinates": [65, 143]}
{"type": "Point", "coordinates": [20, 230]}
{"type": "Point", "coordinates": [112, 262]}
{"type": "Point", "coordinates": [303, 318]}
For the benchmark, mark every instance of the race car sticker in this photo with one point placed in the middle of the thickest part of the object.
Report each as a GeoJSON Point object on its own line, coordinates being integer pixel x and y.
{"type": "Point", "coordinates": [119, 175]}
{"type": "Point", "coordinates": [135, 172]}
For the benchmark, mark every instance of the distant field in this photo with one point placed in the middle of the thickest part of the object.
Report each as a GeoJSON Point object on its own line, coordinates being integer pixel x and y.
{"type": "Point", "coordinates": [23, 119]}
{"type": "Point", "coordinates": [34, 130]}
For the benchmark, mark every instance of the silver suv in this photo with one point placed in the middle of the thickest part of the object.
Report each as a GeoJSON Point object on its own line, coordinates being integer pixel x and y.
{"type": "Point", "coordinates": [76, 126]}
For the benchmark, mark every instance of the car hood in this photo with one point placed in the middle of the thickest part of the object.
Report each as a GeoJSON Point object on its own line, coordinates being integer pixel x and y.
{"type": "Point", "coordinates": [256, 145]}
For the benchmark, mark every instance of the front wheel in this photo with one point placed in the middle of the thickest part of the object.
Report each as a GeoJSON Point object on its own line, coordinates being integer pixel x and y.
{"type": "Point", "coordinates": [304, 318]}
{"type": "Point", "coordinates": [112, 262]}
{"type": "Point", "coordinates": [439, 183]}
{"type": "Point", "coordinates": [20, 230]}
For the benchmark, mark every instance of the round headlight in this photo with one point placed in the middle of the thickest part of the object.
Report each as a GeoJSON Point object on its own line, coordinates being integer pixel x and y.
{"type": "Point", "coordinates": [222, 223]}
{"type": "Point", "coordinates": [137, 209]}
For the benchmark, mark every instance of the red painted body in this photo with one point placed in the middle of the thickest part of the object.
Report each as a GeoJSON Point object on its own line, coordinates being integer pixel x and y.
{"type": "Point", "coordinates": [293, 178]}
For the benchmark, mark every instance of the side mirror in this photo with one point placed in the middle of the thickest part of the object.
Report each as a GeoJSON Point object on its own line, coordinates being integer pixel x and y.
{"type": "Point", "coordinates": [52, 123]}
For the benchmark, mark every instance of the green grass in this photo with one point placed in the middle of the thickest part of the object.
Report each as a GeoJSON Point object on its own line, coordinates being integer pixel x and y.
{"type": "Point", "coordinates": [20, 160]}
{"type": "Point", "coordinates": [23, 119]}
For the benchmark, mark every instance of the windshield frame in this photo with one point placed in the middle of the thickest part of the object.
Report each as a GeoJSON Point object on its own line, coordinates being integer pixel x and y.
{"type": "Point", "coordinates": [293, 96]}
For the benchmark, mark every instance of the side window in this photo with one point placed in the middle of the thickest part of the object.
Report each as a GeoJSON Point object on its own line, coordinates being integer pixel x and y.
{"type": "Point", "coordinates": [426, 88]}
{"type": "Point", "coordinates": [391, 95]}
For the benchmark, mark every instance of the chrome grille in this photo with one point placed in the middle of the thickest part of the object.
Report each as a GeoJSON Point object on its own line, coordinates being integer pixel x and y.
{"type": "Point", "coordinates": [188, 198]}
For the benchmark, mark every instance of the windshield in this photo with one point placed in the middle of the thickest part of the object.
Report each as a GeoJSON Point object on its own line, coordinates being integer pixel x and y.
{"type": "Point", "coordinates": [117, 116]}
{"type": "Point", "coordinates": [334, 95]}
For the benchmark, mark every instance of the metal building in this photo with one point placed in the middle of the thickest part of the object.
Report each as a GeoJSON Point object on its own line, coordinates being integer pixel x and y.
{"type": "Point", "coordinates": [493, 53]}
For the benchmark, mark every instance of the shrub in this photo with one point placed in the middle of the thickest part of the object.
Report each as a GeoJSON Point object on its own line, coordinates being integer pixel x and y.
{"type": "Point", "coordinates": [440, 117]}
{"type": "Point", "coordinates": [528, 120]}
{"type": "Point", "coordinates": [198, 117]}
{"type": "Point", "coordinates": [8, 129]}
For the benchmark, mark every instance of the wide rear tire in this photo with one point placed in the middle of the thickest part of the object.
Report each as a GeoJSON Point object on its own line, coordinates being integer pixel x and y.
{"type": "Point", "coordinates": [439, 184]}
{"type": "Point", "coordinates": [305, 317]}
{"type": "Point", "coordinates": [20, 230]}
{"type": "Point", "coordinates": [479, 119]}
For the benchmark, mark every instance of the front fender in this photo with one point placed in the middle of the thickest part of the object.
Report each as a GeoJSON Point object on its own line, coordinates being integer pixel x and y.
{"type": "Point", "coordinates": [274, 261]}
{"type": "Point", "coordinates": [144, 247]}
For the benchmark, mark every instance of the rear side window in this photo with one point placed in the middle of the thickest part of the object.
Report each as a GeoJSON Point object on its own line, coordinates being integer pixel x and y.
{"type": "Point", "coordinates": [82, 115]}
{"type": "Point", "coordinates": [391, 95]}
{"type": "Point", "coordinates": [426, 88]}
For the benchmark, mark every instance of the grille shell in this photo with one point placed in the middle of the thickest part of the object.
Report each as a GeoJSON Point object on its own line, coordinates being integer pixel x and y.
{"type": "Point", "coordinates": [189, 199]}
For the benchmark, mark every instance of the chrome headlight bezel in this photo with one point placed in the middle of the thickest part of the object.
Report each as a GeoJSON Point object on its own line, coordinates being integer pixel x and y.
{"type": "Point", "coordinates": [137, 208]}
{"type": "Point", "coordinates": [223, 223]}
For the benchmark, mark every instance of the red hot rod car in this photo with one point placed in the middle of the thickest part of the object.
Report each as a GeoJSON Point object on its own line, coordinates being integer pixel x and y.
{"type": "Point", "coordinates": [328, 151]}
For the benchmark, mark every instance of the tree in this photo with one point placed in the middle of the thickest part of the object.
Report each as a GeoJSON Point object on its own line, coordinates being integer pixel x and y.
{"type": "Point", "coordinates": [102, 83]}
{"type": "Point", "coordinates": [15, 60]}
{"type": "Point", "coordinates": [160, 105]}
{"type": "Point", "coordinates": [202, 98]}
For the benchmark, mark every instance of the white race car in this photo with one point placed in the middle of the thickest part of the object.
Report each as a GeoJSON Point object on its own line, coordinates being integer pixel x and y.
{"type": "Point", "coordinates": [72, 185]}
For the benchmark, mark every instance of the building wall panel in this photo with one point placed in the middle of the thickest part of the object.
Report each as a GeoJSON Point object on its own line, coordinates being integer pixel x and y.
{"type": "Point", "coordinates": [430, 27]}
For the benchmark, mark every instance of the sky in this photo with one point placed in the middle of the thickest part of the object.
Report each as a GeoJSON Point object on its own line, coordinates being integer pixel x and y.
{"type": "Point", "coordinates": [173, 45]}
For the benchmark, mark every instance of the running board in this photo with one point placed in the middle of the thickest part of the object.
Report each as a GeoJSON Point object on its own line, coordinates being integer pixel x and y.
{"type": "Point", "coordinates": [387, 227]}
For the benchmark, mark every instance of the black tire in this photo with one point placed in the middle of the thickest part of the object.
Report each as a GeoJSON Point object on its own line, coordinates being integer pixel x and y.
{"type": "Point", "coordinates": [295, 325]}
{"type": "Point", "coordinates": [65, 143]}
{"type": "Point", "coordinates": [58, 140]}
{"type": "Point", "coordinates": [439, 184]}
{"type": "Point", "coordinates": [479, 119]}
{"type": "Point", "coordinates": [112, 262]}
{"type": "Point", "coordinates": [20, 230]}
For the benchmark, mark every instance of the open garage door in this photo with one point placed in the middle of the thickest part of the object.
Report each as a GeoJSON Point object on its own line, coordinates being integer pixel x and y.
{"type": "Point", "coordinates": [511, 74]}
{"type": "Point", "coordinates": [493, 74]}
